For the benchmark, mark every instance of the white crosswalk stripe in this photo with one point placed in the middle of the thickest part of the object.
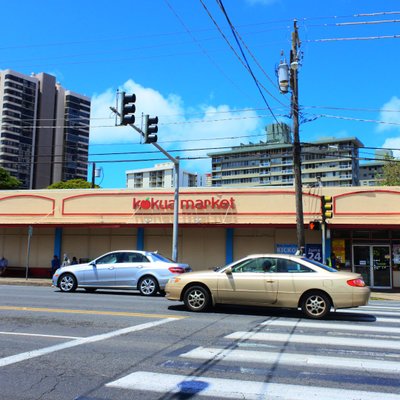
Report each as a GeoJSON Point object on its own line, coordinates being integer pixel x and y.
{"type": "Point", "coordinates": [331, 325]}
{"type": "Point", "coordinates": [333, 351]}
{"type": "Point", "coordinates": [207, 353]}
{"type": "Point", "coordinates": [325, 340]}
{"type": "Point", "coordinates": [233, 389]}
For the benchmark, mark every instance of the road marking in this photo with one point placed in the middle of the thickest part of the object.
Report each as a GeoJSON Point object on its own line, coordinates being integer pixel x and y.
{"type": "Point", "coordinates": [40, 335]}
{"type": "Point", "coordinates": [328, 325]}
{"type": "Point", "coordinates": [90, 312]}
{"type": "Point", "coordinates": [188, 386]}
{"type": "Point", "coordinates": [323, 340]}
{"type": "Point", "coordinates": [91, 339]}
{"type": "Point", "coordinates": [302, 360]}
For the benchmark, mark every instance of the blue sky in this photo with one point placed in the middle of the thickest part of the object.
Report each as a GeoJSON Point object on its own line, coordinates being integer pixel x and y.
{"type": "Point", "coordinates": [172, 55]}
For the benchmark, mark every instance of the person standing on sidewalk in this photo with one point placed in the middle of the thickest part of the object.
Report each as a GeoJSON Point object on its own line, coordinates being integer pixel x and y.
{"type": "Point", "coordinates": [55, 264]}
{"type": "Point", "coordinates": [3, 265]}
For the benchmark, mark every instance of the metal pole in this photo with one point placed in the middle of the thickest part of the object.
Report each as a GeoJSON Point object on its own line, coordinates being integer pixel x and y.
{"type": "Point", "coordinates": [93, 174]}
{"type": "Point", "coordinates": [175, 227]}
{"type": "Point", "coordinates": [323, 232]}
{"type": "Point", "coordinates": [176, 214]}
{"type": "Point", "coordinates": [296, 138]}
{"type": "Point", "coordinates": [28, 252]}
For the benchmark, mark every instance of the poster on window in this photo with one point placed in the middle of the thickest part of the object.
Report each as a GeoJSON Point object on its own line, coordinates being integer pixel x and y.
{"type": "Point", "coordinates": [396, 254]}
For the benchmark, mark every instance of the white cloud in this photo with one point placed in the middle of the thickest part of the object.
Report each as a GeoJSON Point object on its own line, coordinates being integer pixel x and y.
{"type": "Point", "coordinates": [393, 143]}
{"type": "Point", "coordinates": [201, 126]}
{"type": "Point", "coordinates": [390, 116]}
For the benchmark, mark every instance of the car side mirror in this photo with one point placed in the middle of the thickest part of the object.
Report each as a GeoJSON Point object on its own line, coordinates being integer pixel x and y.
{"type": "Point", "coordinates": [93, 263]}
{"type": "Point", "coordinates": [228, 271]}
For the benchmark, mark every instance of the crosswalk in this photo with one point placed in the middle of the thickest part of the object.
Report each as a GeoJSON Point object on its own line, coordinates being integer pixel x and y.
{"type": "Point", "coordinates": [287, 359]}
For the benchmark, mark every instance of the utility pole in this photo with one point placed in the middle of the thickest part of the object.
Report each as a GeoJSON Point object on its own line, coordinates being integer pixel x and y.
{"type": "Point", "coordinates": [294, 63]}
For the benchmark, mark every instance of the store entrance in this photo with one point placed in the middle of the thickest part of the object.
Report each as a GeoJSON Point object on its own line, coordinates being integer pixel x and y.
{"type": "Point", "coordinates": [373, 263]}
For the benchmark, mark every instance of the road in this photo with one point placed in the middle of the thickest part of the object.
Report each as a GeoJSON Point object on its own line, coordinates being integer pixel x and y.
{"type": "Point", "coordinates": [119, 346]}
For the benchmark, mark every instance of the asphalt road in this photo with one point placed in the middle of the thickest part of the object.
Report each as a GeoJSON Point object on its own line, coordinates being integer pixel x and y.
{"type": "Point", "coordinates": [120, 345]}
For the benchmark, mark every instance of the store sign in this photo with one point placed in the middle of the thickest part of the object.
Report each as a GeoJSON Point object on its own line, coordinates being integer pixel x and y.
{"type": "Point", "coordinates": [286, 248]}
{"type": "Point", "coordinates": [314, 252]}
{"type": "Point", "coordinates": [213, 203]}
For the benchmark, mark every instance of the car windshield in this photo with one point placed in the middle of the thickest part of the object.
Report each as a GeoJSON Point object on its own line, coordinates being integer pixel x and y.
{"type": "Point", "coordinates": [318, 264]}
{"type": "Point", "coordinates": [159, 257]}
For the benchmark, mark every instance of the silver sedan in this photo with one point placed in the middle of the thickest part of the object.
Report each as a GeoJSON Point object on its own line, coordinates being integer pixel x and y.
{"type": "Point", "coordinates": [145, 271]}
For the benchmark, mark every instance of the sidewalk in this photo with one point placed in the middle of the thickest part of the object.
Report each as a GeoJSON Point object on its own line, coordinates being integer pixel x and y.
{"type": "Point", "coordinates": [390, 294]}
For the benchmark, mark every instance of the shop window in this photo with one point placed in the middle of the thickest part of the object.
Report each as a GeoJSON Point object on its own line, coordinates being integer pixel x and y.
{"type": "Point", "coordinates": [380, 234]}
{"type": "Point", "coordinates": [361, 234]}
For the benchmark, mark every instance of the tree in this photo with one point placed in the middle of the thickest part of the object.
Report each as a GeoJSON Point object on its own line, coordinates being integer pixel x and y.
{"type": "Point", "coordinates": [72, 184]}
{"type": "Point", "coordinates": [7, 181]}
{"type": "Point", "coordinates": [391, 172]}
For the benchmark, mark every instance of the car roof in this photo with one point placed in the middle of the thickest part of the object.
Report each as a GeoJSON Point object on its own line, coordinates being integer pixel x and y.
{"type": "Point", "coordinates": [131, 251]}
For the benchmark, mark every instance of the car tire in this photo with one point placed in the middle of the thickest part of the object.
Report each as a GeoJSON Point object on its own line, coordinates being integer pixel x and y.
{"type": "Point", "coordinates": [67, 283]}
{"type": "Point", "coordinates": [196, 298]}
{"type": "Point", "coordinates": [315, 305]}
{"type": "Point", "coordinates": [148, 286]}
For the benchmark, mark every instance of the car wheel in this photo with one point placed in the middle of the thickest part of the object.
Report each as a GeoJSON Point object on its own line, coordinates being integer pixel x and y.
{"type": "Point", "coordinates": [196, 298]}
{"type": "Point", "coordinates": [67, 283]}
{"type": "Point", "coordinates": [90, 289]}
{"type": "Point", "coordinates": [315, 305]}
{"type": "Point", "coordinates": [148, 286]}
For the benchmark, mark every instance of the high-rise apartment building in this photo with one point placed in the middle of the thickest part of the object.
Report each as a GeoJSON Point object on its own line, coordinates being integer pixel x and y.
{"type": "Point", "coordinates": [328, 162]}
{"type": "Point", "coordinates": [44, 130]}
{"type": "Point", "coordinates": [159, 176]}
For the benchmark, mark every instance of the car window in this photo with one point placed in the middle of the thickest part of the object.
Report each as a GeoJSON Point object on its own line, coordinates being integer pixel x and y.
{"type": "Point", "coordinates": [136, 258]}
{"type": "Point", "coordinates": [323, 266]}
{"type": "Point", "coordinates": [108, 259]}
{"type": "Point", "coordinates": [159, 257]}
{"type": "Point", "coordinates": [259, 265]}
{"type": "Point", "coordinates": [282, 265]}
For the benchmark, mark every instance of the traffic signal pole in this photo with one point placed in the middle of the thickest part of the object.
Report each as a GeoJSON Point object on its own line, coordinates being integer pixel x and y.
{"type": "Point", "coordinates": [175, 161]}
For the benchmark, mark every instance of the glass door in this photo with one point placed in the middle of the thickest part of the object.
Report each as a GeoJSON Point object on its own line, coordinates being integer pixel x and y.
{"type": "Point", "coordinates": [362, 262]}
{"type": "Point", "coordinates": [381, 269]}
{"type": "Point", "coordinates": [373, 263]}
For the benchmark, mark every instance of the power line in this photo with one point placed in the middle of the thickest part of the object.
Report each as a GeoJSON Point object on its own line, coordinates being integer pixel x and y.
{"type": "Point", "coordinates": [355, 38]}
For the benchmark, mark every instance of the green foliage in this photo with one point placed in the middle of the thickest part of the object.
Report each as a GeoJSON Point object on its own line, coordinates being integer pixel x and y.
{"type": "Point", "coordinates": [7, 181]}
{"type": "Point", "coordinates": [72, 184]}
{"type": "Point", "coordinates": [391, 172]}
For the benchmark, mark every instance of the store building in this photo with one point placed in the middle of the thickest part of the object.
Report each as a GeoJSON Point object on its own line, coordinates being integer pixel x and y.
{"type": "Point", "coordinates": [216, 226]}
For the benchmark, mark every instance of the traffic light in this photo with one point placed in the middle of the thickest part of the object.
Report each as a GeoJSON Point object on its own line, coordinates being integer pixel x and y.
{"type": "Point", "coordinates": [127, 108]}
{"type": "Point", "coordinates": [326, 207]}
{"type": "Point", "coordinates": [150, 128]}
{"type": "Point", "coordinates": [314, 226]}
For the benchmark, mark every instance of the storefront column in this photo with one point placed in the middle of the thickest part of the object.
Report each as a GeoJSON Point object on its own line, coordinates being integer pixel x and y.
{"type": "Point", "coordinates": [140, 239]}
{"type": "Point", "coordinates": [328, 245]}
{"type": "Point", "coordinates": [229, 245]}
{"type": "Point", "coordinates": [57, 242]}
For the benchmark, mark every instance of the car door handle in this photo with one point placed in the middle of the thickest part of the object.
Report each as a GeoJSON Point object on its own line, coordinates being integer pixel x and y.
{"type": "Point", "coordinates": [270, 281]}
{"type": "Point", "coordinates": [111, 267]}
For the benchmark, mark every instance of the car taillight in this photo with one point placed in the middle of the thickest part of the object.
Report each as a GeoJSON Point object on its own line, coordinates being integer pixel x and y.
{"type": "Point", "coordinates": [356, 282]}
{"type": "Point", "coordinates": [177, 270]}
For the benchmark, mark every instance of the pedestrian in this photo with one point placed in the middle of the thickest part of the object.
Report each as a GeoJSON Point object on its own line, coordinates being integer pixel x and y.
{"type": "Point", "coordinates": [3, 265]}
{"type": "Point", "coordinates": [66, 261]}
{"type": "Point", "coordinates": [55, 264]}
{"type": "Point", "coordinates": [74, 261]}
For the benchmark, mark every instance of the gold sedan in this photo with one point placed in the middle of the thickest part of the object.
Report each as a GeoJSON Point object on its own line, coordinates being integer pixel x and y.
{"type": "Point", "coordinates": [271, 280]}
